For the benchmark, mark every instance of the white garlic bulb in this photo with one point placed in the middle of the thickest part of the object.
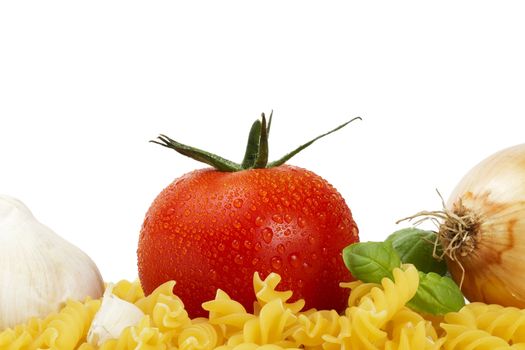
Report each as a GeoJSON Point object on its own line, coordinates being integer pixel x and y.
{"type": "Point", "coordinates": [112, 318]}
{"type": "Point", "coordinates": [39, 270]}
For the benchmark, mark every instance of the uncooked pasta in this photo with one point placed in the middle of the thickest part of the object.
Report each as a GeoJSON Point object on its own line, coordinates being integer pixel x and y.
{"type": "Point", "coordinates": [377, 317]}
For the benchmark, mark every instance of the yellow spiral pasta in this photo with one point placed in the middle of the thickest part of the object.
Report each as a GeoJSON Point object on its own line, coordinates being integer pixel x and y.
{"type": "Point", "coordinates": [377, 317]}
{"type": "Point", "coordinates": [461, 337]}
{"type": "Point", "coordinates": [128, 291]}
{"type": "Point", "coordinates": [229, 315]}
{"type": "Point", "coordinates": [265, 292]}
{"type": "Point", "coordinates": [314, 325]}
{"type": "Point", "coordinates": [165, 309]}
{"type": "Point", "coordinates": [200, 335]}
{"type": "Point", "coordinates": [252, 346]}
{"type": "Point", "coordinates": [359, 290]}
{"type": "Point", "coordinates": [139, 337]}
{"type": "Point", "coordinates": [507, 324]}
{"type": "Point", "coordinates": [63, 330]}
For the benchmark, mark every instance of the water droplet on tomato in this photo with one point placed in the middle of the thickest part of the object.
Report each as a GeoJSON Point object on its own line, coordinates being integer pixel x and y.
{"type": "Point", "coordinates": [259, 221]}
{"type": "Point", "coordinates": [281, 248]}
{"type": "Point", "coordinates": [213, 274]}
{"type": "Point", "coordinates": [300, 283]}
{"type": "Point", "coordinates": [277, 218]}
{"type": "Point", "coordinates": [267, 234]}
{"type": "Point", "coordinates": [307, 266]}
{"type": "Point", "coordinates": [236, 244]}
{"type": "Point", "coordinates": [238, 259]}
{"type": "Point", "coordinates": [314, 256]}
{"type": "Point", "coordinates": [237, 203]}
{"type": "Point", "coordinates": [276, 262]}
{"type": "Point", "coordinates": [294, 260]}
{"type": "Point", "coordinates": [248, 244]}
{"type": "Point", "coordinates": [287, 218]}
{"type": "Point", "coordinates": [221, 247]}
{"type": "Point", "coordinates": [255, 261]}
{"type": "Point", "coordinates": [237, 224]}
{"type": "Point", "coordinates": [257, 246]}
{"type": "Point", "coordinates": [187, 212]}
{"type": "Point", "coordinates": [166, 225]}
{"type": "Point", "coordinates": [301, 222]}
{"type": "Point", "coordinates": [311, 239]}
{"type": "Point", "coordinates": [287, 232]}
{"type": "Point", "coordinates": [253, 207]}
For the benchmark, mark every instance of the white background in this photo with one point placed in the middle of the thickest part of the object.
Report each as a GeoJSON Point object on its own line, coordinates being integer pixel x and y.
{"type": "Point", "coordinates": [84, 86]}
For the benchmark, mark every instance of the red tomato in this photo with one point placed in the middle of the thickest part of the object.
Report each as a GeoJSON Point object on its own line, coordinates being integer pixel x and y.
{"type": "Point", "coordinates": [211, 229]}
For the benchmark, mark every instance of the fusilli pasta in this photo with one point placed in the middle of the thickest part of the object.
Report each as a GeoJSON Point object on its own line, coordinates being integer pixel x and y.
{"type": "Point", "coordinates": [377, 317]}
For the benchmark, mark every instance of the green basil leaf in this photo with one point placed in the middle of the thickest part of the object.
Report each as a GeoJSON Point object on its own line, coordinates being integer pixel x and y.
{"type": "Point", "coordinates": [416, 246]}
{"type": "Point", "coordinates": [436, 295]}
{"type": "Point", "coordinates": [371, 261]}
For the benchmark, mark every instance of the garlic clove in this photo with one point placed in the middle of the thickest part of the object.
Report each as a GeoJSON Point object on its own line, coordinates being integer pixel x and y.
{"type": "Point", "coordinates": [112, 318]}
{"type": "Point", "coordinates": [39, 270]}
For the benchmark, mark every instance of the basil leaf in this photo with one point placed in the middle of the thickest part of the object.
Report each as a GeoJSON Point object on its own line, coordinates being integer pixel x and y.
{"type": "Point", "coordinates": [371, 261]}
{"type": "Point", "coordinates": [416, 246]}
{"type": "Point", "coordinates": [436, 295]}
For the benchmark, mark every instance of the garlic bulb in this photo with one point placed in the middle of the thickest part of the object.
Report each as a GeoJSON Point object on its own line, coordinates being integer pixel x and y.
{"type": "Point", "coordinates": [39, 270]}
{"type": "Point", "coordinates": [113, 316]}
{"type": "Point", "coordinates": [482, 230]}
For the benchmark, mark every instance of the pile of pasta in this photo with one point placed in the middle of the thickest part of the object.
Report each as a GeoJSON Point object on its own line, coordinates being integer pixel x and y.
{"type": "Point", "coordinates": [376, 318]}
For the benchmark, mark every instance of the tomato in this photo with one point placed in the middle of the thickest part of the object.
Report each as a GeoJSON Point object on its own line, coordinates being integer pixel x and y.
{"type": "Point", "coordinates": [213, 229]}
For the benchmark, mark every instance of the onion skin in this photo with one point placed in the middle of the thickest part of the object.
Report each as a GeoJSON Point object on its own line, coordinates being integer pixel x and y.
{"type": "Point", "coordinates": [493, 192]}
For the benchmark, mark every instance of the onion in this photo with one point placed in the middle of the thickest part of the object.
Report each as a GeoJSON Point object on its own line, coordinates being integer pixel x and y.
{"type": "Point", "coordinates": [482, 230]}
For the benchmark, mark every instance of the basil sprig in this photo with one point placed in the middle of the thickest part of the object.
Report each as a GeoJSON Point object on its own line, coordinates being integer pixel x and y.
{"type": "Point", "coordinates": [370, 262]}
{"type": "Point", "coordinates": [416, 246]}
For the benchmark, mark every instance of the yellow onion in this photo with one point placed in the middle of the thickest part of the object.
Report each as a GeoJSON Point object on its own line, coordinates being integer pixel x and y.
{"type": "Point", "coordinates": [482, 230]}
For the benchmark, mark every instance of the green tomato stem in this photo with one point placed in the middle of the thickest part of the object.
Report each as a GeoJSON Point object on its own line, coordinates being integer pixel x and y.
{"type": "Point", "coordinates": [214, 160]}
{"type": "Point", "coordinates": [262, 157]}
{"type": "Point", "coordinates": [300, 148]}
{"type": "Point", "coordinates": [257, 149]}
{"type": "Point", "coordinates": [252, 147]}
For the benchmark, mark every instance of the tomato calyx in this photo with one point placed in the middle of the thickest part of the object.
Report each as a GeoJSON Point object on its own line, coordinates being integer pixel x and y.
{"type": "Point", "coordinates": [256, 154]}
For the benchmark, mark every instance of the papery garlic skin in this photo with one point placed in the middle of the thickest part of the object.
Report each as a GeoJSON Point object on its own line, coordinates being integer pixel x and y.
{"type": "Point", "coordinates": [494, 260]}
{"type": "Point", "coordinates": [112, 318]}
{"type": "Point", "coordinates": [39, 270]}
